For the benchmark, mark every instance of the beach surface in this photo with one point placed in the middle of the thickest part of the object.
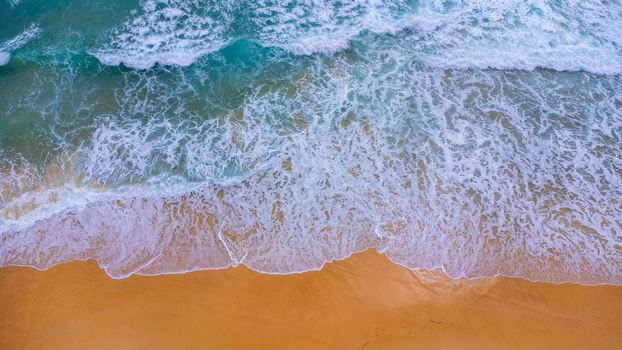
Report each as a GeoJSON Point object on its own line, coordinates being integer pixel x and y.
{"type": "Point", "coordinates": [363, 302]}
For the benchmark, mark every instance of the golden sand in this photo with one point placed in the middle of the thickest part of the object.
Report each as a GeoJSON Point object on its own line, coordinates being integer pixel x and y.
{"type": "Point", "coordinates": [363, 302]}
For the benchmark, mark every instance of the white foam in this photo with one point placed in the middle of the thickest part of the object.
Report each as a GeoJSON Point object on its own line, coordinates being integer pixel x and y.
{"type": "Point", "coordinates": [479, 34]}
{"type": "Point", "coordinates": [169, 32]}
{"type": "Point", "coordinates": [17, 42]}
{"type": "Point", "coordinates": [308, 27]}
{"type": "Point", "coordinates": [518, 35]}
{"type": "Point", "coordinates": [4, 58]}
{"type": "Point", "coordinates": [480, 173]}
{"type": "Point", "coordinates": [508, 34]}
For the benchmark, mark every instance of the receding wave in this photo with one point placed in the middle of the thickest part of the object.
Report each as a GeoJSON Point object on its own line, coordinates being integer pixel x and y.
{"type": "Point", "coordinates": [478, 173]}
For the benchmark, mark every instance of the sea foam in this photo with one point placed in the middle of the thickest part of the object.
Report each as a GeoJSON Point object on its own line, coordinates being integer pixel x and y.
{"type": "Point", "coordinates": [4, 58]}
{"type": "Point", "coordinates": [169, 32]}
{"type": "Point", "coordinates": [513, 34]}
{"type": "Point", "coordinates": [13, 44]}
{"type": "Point", "coordinates": [479, 173]}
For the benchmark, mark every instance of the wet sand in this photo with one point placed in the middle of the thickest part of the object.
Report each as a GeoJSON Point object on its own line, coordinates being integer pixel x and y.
{"type": "Point", "coordinates": [363, 302]}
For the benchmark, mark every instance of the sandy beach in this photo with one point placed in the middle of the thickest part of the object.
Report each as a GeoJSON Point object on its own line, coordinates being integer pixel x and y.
{"type": "Point", "coordinates": [363, 302]}
{"type": "Point", "coordinates": [249, 175]}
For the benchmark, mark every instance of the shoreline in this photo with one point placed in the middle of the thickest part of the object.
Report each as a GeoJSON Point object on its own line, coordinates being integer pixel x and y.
{"type": "Point", "coordinates": [371, 250]}
{"type": "Point", "coordinates": [365, 301]}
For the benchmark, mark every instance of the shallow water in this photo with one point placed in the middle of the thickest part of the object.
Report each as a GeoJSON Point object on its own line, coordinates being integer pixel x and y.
{"type": "Point", "coordinates": [482, 138]}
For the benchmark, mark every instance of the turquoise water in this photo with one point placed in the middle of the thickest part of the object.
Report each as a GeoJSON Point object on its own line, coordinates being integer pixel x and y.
{"type": "Point", "coordinates": [165, 136]}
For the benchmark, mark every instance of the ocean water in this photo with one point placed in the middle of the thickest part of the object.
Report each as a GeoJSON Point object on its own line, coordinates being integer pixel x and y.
{"type": "Point", "coordinates": [163, 136]}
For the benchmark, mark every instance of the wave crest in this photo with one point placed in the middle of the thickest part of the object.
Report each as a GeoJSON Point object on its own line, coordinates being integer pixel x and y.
{"type": "Point", "coordinates": [17, 42]}
{"type": "Point", "coordinates": [514, 34]}
{"type": "Point", "coordinates": [168, 32]}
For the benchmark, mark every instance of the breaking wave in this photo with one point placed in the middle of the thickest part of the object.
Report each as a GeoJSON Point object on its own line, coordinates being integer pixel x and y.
{"type": "Point", "coordinates": [11, 45]}
{"type": "Point", "coordinates": [513, 34]}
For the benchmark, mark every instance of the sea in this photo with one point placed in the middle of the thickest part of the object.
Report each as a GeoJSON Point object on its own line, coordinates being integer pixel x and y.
{"type": "Point", "coordinates": [480, 137]}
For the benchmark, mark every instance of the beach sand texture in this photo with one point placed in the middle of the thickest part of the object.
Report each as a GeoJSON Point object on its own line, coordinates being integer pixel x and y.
{"type": "Point", "coordinates": [363, 302]}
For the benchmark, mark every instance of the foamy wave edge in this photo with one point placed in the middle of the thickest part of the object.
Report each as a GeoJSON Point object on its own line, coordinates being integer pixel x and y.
{"type": "Point", "coordinates": [184, 189]}
{"type": "Point", "coordinates": [22, 39]}
{"type": "Point", "coordinates": [315, 46]}
{"type": "Point", "coordinates": [320, 268]}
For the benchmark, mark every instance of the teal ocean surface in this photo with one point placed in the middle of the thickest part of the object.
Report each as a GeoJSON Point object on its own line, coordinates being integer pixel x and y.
{"type": "Point", "coordinates": [164, 136]}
